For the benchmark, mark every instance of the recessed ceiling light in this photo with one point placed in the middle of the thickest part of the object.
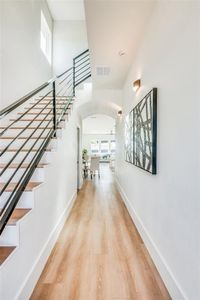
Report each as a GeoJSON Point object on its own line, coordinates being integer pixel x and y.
{"type": "Point", "coordinates": [121, 53]}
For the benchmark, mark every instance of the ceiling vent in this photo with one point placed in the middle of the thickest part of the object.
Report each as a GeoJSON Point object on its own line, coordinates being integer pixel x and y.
{"type": "Point", "coordinates": [102, 71]}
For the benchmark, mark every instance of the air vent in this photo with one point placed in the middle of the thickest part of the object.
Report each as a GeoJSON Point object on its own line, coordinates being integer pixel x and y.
{"type": "Point", "coordinates": [102, 71]}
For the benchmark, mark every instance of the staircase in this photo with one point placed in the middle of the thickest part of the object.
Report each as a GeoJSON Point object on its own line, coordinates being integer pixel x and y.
{"type": "Point", "coordinates": [30, 129]}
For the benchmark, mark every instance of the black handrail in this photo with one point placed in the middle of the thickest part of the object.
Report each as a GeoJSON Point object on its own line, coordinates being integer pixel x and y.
{"type": "Point", "coordinates": [50, 104]}
{"type": "Point", "coordinates": [19, 102]}
{"type": "Point", "coordinates": [81, 54]}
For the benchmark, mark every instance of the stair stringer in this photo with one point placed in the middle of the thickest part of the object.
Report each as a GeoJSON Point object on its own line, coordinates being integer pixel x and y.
{"type": "Point", "coordinates": [38, 231]}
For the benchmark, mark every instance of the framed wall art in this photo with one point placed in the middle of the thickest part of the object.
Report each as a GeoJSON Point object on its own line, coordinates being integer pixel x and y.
{"type": "Point", "coordinates": [141, 133]}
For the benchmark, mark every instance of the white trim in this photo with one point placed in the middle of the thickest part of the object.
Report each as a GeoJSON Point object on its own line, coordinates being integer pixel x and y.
{"type": "Point", "coordinates": [165, 272]}
{"type": "Point", "coordinates": [34, 274]}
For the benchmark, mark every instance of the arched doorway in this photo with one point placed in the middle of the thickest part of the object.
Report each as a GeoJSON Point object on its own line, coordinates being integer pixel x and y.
{"type": "Point", "coordinates": [98, 140]}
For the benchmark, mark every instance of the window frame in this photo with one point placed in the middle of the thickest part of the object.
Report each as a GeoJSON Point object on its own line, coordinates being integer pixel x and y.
{"type": "Point", "coordinates": [45, 38]}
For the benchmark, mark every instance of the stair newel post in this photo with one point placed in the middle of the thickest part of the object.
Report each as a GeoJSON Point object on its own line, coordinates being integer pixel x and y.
{"type": "Point", "coordinates": [74, 77]}
{"type": "Point", "coordinates": [54, 107]}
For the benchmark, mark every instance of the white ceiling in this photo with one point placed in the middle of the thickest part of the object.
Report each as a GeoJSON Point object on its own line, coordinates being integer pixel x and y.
{"type": "Point", "coordinates": [98, 124]}
{"type": "Point", "coordinates": [113, 26]}
{"type": "Point", "coordinates": [67, 9]}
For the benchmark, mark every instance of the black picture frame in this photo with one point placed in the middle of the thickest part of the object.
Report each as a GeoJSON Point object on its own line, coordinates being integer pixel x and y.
{"type": "Point", "coordinates": [141, 134]}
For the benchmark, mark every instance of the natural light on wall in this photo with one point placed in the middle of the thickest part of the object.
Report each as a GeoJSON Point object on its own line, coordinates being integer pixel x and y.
{"type": "Point", "coordinates": [45, 38]}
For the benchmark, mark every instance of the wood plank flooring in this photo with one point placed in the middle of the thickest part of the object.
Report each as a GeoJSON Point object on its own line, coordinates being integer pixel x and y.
{"type": "Point", "coordinates": [99, 254]}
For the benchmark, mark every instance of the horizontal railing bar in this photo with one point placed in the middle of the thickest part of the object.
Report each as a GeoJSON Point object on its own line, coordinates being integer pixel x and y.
{"type": "Point", "coordinates": [11, 203]}
{"type": "Point", "coordinates": [85, 66]}
{"type": "Point", "coordinates": [82, 75]}
{"type": "Point", "coordinates": [89, 75]}
{"type": "Point", "coordinates": [64, 87]}
{"type": "Point", "coordinates": [32, 147]}
{"type": "Point", "coordinates": [65, 78]}
{"type": "Point", "coordinates": [77, 63]}
{"type": "Point", "coordinates": [83, 62]}
{"type": "Point", "coordinates": [19, 102]}
{"type": "Point", "coordinates": [66, 83]}
{"type": "Point", "coordinates": [20, 148]}
{"type": "Point", "coordinates": [58, 93]}
{"type": "Point", "coordinates": [83, 72]}
{"type": "Point", "coordinates": [68, 89]}
{"type": "Point", "coordinates": [22, 115]}
{"type": "Point", "coordinates": [76, 57]}
{"type": "Point", "coordinates": [64, 72]}
{"type": "Point", "coordinates": [26, 127]}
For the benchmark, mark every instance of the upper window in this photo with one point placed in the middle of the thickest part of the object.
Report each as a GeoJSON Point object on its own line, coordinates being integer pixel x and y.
{"type": "Point", "coordinates": [104, 146]}
{"type": "Point", "coordinates": [45, 38]}
{"type": "Point", "coordinates": [112, 146]}
{"type": "Point", "coordinates": [94, 147]}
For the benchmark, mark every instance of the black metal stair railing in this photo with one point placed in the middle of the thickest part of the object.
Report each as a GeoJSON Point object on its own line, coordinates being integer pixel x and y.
{"type": "Point", "coordinates": [81, 69]}
{"type": "Point", "coordinates": [42, 117]}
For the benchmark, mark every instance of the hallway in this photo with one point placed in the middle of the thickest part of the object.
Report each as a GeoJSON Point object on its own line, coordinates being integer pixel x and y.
{"type": "Point", "coordinates": [99, 254]}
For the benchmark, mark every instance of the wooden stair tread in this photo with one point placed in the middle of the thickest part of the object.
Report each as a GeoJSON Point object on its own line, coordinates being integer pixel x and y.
{"type": "Point", "coordinates": [23, 150]}
{"type": "Point", "coordinates": [5, 251]}
{"type": "Point", "coordinates": [57, 96]}
{"type": "Point", "coordinates": [37, 120]}
{"type": "Point", "coordinates": [31, 127]}
{"type": "Point", "coordinates": [57, 99]}
{"type": "Point", "coordinates": [23, 166]}
{"type": "Point", "coordinates": [23, 138]}
{"type": "Point", "coordinates": [30, 186]}
{"type": "Point", "coordinates": [41, 105]}
{"type": "Point", "coordinates": [18, 214]}
{"type": "Point", "coordinates": [27, 120]}
{"type": "Point", "coordinates": [36, 113]}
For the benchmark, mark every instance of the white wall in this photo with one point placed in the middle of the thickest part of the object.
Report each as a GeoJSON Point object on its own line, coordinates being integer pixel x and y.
{"type": "Point", "coordinates": [70, 39]}
{"type": "Point", "coordinates": [23, 66]}
{"type": "Point", "coordinates": [98, 124]}
{"type": "Point", "coordinates": [166, 206]}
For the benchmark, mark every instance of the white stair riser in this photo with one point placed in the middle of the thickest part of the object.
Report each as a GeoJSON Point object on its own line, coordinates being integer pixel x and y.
{"type": "Point", "coordinates": [45, 111]}
{"type": "Point", "coordinates": [26, 200]}
{"type": "Point", "coordinates": [38, 175]}
{"type": "Point", "coordinates": [8, 155]}
{"type": "Point", "coordinates": [10, 236]}
{"type": "Point", "coordinates": [19, 142]}
{"type": "Point", "coordinates": [33, 124]}
{"type": "Point", "coordinates": [28, 132]}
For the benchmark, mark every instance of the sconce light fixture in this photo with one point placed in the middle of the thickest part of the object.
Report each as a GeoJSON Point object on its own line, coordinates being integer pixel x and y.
{"type": "Point", "coordinates": [136, 85]}
{"type": "Point", "coordinates": [119, 113]}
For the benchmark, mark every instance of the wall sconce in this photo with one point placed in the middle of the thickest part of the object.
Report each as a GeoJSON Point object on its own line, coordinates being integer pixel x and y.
{"type": "Point", "coordinates": [136, 85]}
{"type": "Point", "coordinates": [119, 113]}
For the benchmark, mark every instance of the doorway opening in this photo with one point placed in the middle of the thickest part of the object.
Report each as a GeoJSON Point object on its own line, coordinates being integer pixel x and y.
{"type": "Point", "coordinates": [98, 144]}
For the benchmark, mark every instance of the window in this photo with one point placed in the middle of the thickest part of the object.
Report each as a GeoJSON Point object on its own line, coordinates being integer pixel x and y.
{"type": "Point", "coordinates": [112, 146]}
{"type": "Point", "coordinates": [45, 38]}
{"type": "Point", "coordinates": [94, 146]}
{"type": "Point", "coordinates": [104, 146]}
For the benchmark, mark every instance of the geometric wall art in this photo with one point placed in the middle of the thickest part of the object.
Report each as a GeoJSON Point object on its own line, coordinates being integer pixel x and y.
{"type": "Point", "coordinates": [141, 133]}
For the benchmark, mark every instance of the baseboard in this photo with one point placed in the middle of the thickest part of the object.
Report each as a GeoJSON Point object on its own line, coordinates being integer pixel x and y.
{"type": "Point", "coordinates": [34, 274]}
{"type": "Point", "coordinates": [166, 274]}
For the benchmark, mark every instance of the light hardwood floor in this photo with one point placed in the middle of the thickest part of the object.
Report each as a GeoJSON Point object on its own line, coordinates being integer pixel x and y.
{"type": "Point", "coordinates": [99, 254]}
